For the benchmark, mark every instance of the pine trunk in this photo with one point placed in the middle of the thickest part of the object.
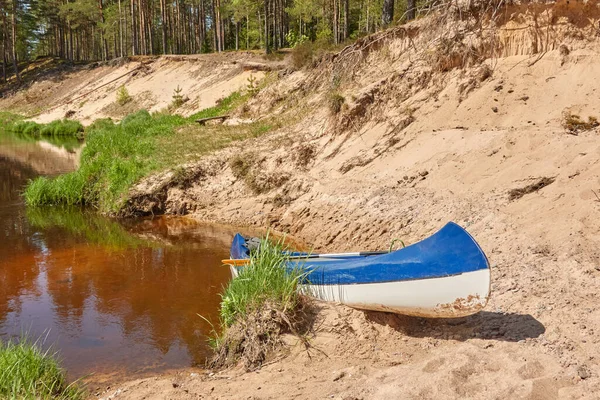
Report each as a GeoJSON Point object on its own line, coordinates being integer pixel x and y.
{"type": "Point", "coordinates": [14, 42]}
{"type": "Point", "coordinates": [388, 12]}
{"type": "Point", "coordinates": [346, 18]}
{"type": "Point", "coordinates": [411, 10]}
{"type": "Point", "coordinates": [336, 22]}
{"type": "Point", "coordinates": [120, 31]}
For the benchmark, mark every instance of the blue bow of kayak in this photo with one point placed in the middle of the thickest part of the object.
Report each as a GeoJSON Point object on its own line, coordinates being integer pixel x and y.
{"type": "Point", "coordinates": [450, 251]}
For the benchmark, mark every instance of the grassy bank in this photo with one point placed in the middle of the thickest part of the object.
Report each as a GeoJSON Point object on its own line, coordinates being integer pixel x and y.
{"type": "Point", "coordinates": [257, 307]}
{"type": "Point", "coordinates": [27, 372]}
{"type": "Point", "coordinates": [63, 133]}
{"type": "Point", "coordinates": [7, 118]}
{"type": "Point", "coordinates": [117, 156]}
{"type": "Point", "coordinates": [65, 127]}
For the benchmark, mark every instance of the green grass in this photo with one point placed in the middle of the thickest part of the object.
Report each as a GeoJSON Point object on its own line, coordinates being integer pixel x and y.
{"type": "Point", "coordinates": [257, 307]}
{"type": "Point", "coordinates": [117, 156]}
{"type": "Point", "coordinates": [224, 106]}
{"type": "Point", "coordinates": [264, 281]}
{"type": "Point", "coordinates": [7, 118]}
{"type": "Point", "coordinates": [64, 127]}
{"type": "Point", "coordinates": [27, 372]}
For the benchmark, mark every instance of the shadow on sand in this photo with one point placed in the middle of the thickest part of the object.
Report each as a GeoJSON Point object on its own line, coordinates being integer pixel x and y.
{"type": "Point", "coordinates": [509, 327]}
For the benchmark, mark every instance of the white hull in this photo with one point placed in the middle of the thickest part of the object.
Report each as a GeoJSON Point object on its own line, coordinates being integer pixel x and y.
{"type": "Point", "coordinates": [447, 297]}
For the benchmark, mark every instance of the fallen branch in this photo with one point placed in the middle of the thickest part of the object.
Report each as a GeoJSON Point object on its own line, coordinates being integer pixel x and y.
{"type": "Point", "coordinates": [203, 121]}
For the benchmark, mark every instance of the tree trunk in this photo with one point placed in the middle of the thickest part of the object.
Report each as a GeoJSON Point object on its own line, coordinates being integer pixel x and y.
{"type": "Point", "coordinates": [411, 10]}
{"type": "Point", "coordinates": [336, 22]}
{"type": "Point", "coordinates": [214, 27]}
{"type": "Point", "coordinates": [134, 50]}
{"type": "Point", "coordinates": [346, 18]}
{"type": "Point", "coordinates": [120, 30]}
{"type": "Point", "coordinates": [14, 42]}
{"type": "Point", "coordinates": [202, 26]}
{"type": "Point", "coordinates": [267, 48]}
{"type": "Point", "coordinates": [104, 41]}
{"type": "Point", "coordinates": [388, 12]}
{"type": "Point", "coordinates": [237, 35]}
{"type": "Point", "coordinates": [4, 41]}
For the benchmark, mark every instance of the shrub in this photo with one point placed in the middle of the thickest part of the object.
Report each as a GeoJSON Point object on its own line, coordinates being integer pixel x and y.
{"type": "Point", "coordinates": [295, 39]}
{"type": "Point", "coordinates": [123, 96]}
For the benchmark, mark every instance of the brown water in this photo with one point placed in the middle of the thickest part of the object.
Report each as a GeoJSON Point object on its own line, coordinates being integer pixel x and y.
{"type": "Point", "coordinates": [111, 298]}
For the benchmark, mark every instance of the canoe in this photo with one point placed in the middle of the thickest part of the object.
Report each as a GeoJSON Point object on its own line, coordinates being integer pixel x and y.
{"type": "Point", "coordinates": [446, 275]}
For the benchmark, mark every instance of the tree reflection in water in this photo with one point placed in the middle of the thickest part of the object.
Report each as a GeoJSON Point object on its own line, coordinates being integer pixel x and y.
{"type": "Point", "coordinates": [113, 297]}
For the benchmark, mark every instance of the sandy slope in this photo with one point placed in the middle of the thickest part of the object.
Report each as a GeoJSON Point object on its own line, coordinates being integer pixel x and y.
{"type": "Point", "coordinates": [90, 92]}
{"type": "Point", "coordinates": [430, 147]}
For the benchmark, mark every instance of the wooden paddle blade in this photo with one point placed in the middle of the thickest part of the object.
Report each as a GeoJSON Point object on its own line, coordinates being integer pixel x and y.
{"type": "Point", "coordinates": [236, 263]}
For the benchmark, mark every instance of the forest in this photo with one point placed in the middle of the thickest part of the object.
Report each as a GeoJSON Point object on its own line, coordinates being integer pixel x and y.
{"type": "Point", "coordinates": [89, 30]}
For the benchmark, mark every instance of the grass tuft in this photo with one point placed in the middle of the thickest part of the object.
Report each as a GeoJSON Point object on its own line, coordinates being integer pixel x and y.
{"type": "Point", "coordinates": [257, 307]}
{"type": "Point", "coordinates": [222, 107]}
{"type": "Point", "coordinates": [335, 101]}
{"type": "Point", "coordinates": [27, 372]}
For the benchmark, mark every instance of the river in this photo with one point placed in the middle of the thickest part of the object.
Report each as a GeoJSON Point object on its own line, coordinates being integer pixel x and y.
{"type": "Point", "coordinates": [111, 298]}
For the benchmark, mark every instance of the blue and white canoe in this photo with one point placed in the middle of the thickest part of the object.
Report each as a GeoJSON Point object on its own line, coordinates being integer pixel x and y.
{"type": "Point", "coordinates": [446, 275]}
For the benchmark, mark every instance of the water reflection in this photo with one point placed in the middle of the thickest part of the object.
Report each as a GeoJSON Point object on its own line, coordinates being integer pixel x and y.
{"type": "Point", "coordinates": [115, 298]}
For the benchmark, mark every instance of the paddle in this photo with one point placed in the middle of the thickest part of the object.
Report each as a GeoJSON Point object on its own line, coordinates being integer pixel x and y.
{"type": "Point", "coordinates": [246, 261]}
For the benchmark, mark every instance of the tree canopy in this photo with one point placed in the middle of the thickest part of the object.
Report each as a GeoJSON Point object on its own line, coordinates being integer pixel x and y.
{"type": "Point", "coordinates": [83, 30]}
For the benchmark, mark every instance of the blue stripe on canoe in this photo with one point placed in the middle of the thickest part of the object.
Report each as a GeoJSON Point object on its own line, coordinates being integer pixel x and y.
{"type": "Point", "coordinates": [450, 251]}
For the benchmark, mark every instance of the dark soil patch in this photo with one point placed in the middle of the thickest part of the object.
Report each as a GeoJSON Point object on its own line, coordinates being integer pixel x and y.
{"type": "Point", "coordinates": [515, 194]}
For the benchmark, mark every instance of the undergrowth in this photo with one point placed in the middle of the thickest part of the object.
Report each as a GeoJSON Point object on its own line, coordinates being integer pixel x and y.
{"type": "Point", "coordinates": [117, 155]}
{"type": "Point", "coordinates": [258, 306]}
{"type": "Point", "coordinates": [27, 372]}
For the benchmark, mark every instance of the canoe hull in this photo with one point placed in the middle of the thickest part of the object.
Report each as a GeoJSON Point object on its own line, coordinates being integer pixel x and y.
{"type": "Point", "coordinates": [444, 276]}
{"type": "Point", "coordinates": [447, 297]}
